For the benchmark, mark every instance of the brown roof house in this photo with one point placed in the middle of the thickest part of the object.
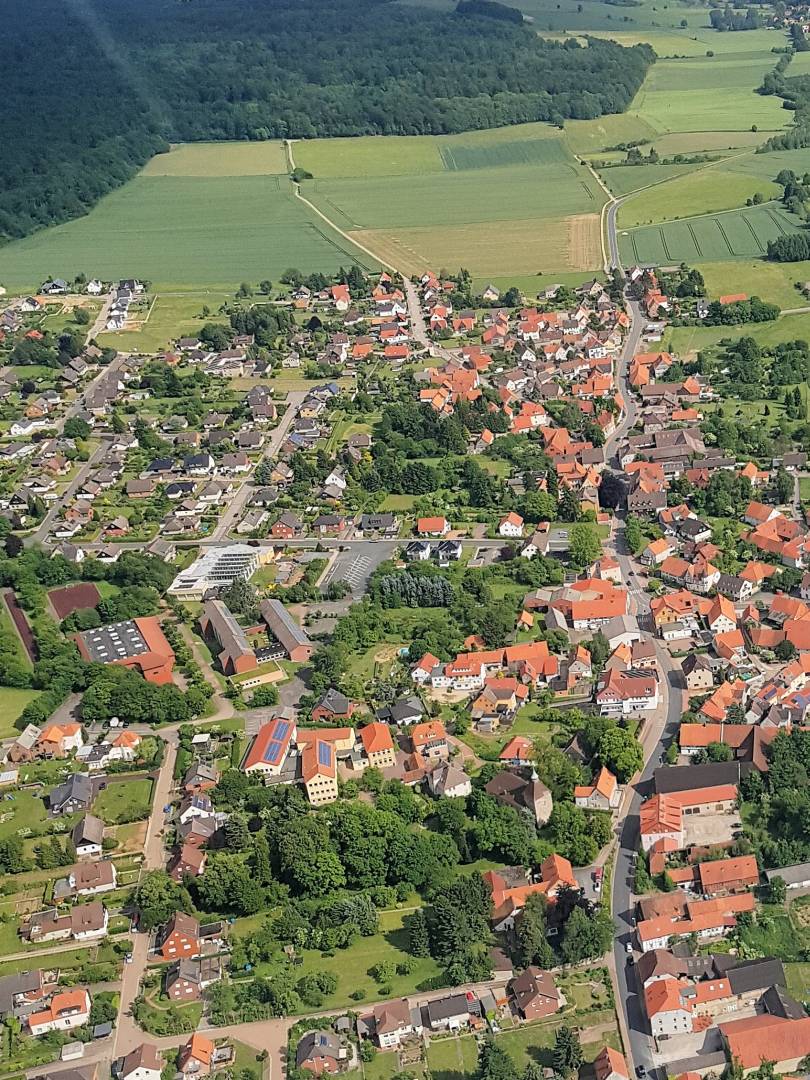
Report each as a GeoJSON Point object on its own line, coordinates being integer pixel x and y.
{"type": "Point", "coordinates": [389, 1023]}
{"type": "Point", "coordinates": [522, 790]}
{"type": "Point", "coordinates": [534, 994]}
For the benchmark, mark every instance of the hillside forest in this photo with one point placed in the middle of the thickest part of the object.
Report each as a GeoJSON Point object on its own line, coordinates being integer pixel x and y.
{"type": "Point", "coordinates": [125, 80]}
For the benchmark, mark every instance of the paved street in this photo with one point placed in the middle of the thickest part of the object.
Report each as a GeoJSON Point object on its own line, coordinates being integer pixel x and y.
{"type": "Point", "coordinates": [38, 536]}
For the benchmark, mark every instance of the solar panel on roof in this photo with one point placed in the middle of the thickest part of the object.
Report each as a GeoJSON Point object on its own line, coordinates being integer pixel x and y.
{"type": "Point", "coordinates": [324, 753]}
{"type": "Point", "coordinates": [282, 727]}
{"type": "Point", "coordinates": [273, 751]}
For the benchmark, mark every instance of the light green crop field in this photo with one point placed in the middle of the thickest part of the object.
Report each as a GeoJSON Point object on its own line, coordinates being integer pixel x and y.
{"type": "Point", "coordinates": [738, 234]}
{"type": "Point", "coordinates": [219, 159]}
{"type": "Point", "coordinates": [705, 191]}
{"type": "Point", "coordinates": [622, 179]}
{"type": "Point", "coordinates": [380, 155]}
{"type": "Point", "coordinates": [587, 137]}
{"type": "Point", "coordinates": [184, 232]}
{"type": "Point", "coordinates": [172, 315]}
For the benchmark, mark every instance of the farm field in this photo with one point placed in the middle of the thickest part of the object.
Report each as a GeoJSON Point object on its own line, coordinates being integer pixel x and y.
{"type": "Point", "coordinates": [713, 238]}
{"type": "Point", "coordinates": [622, 179]}
{"type": "Point", "coordinates": [184, 232]}
{"type": "Point", "coordinates": [705, 191]}
{"type": "Point", "coordinates": [545, 216]}
{"type": "Point", "coordinates": [218, 159]}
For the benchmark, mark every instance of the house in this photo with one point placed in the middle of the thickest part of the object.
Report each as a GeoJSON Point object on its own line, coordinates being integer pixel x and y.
{"type": "Point", "coordinates": [448, 781]}
{"type": "Point", "coordinates": [378, 745]}
{"type": "Point", "coordinates": [74, 796]}
{"type": "Point", "coordinates": [533, 994]}
{"type": "Point", "coordinates": [142, 1063]}
{"type": "Point", "coordinates": [603, 794]}
{"type": "Point", "coordinates": [450, 1013]}
{"type": "Point", "coordinates": [189, 861]}
{"type": "Point", "coordinates": [196, 1057]}
{"type": "Point", "coordinates": [432, 526]}
{"type": "Point", "coordinates": [179, 938]}
{"type": "Point", "coordinates": [322, 1052]}
{"type": "Point", "coordinates": [624, 692]}
{"type": "Point", "coordinates": [721, 617]}
{"type": "Point", "coordinates": [429, 739]}
{"type": "Point", "coordinates": [610, 1064]}
{"type": "Point", "coordinates": [186, 979]}
{"type": "Point", "coordinates": [518, 751]}
{"type": "Point", "coordinates": [523, 791]}
{"type": "Point", "coordinates": [403, 712]}
{"type": "Point", "coordinates": [511, 525]}
{"type": "Point", "coordinates": [87, 879]}
{"type": "Point", "coordinates": [87, 837]}
{"type": "Point", "coordinates": [200, 777]}
{"type": "Point", "coordinates": [698, 672]}
{"type": "Point", "coordinates": [333, 706]}
{"type": "Point", "coordinates": [319, 771]}
{"type": "Point", "coordinates": [269, 749]}
{"type": "Point", "coordinates": [509, 895]}
{"type": "Point", "coordinates": [287, 526]}
{"type": "Point", "coordinates": [390, 1023]}
{"type": "Point", "coordinates": [57, 740]}
{"type": "Point", "coordinates": [67, 1010]}
{"type": "Point", "coordinates": [767, 1037]}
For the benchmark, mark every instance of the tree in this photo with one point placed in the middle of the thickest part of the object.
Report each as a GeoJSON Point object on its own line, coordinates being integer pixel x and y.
{"type": "Point", "coordinates": [531, 927]}
{"type": "Point", "coordinates": [584, 545]}
{"type": "Point", "coordinates": [620, 752]}
{"type": "Point", "coordinates": [81, 316]}
{"type": "Point", "coordinates": [418, 937]}
{"type": "Point", "coordinates": [586, 936]}
{"type": "Point", "coordinates": [157, 898]}
{"type": "Point", "coordinates": [494, 1063]}
{"type": "Point", "coordinates": [777, 890]}
{"type": "Point", "coordinates": [76, 428]}
{"type": "Point", "coordinates": [567, 1052]}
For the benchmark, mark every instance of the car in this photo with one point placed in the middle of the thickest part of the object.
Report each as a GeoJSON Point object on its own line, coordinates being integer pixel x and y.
{"type": "Point", "coordinates": [628, 947]}
{"type": "Point", "coordinates": [128, 958]}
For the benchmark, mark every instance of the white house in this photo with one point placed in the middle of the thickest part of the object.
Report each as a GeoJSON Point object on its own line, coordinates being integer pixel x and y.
{"type": "Point", "coordinates": [511, 525]}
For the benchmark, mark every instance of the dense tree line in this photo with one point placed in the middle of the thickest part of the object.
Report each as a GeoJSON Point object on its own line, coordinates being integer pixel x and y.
{"type": "Point", "coordinates": [742, 311]}
{"type": "Point", "coordinates": [405, 589]}
{"type": "Point", "coordinates": [272, 69]}
{"type": "Point", "coordinates": [729, 18]}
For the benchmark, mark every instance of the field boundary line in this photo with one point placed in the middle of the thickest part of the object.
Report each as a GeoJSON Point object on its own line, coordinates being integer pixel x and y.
{"type": "Point", "coordinates": [724, 234]}
{"type": "Point", "coordinates": [694, 240]}
{"type": "Point", "coordinates": [354, 243]}
{"type": "Point", "coordinates": [757, 240]}
{"type": "Point", "coordinates": [611, 199]}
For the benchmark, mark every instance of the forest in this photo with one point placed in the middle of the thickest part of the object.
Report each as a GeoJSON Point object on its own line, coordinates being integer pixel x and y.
{"type": "Point", "coordinates": [124, 80]}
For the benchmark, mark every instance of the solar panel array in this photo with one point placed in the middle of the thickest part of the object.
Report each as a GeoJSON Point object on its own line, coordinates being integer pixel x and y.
{"type": "Point", "coordinates": [275, 748]}
{"type": "Point", "coordinates": [324, 753]}
{"type": "Point", "coordinates": [114, 642]}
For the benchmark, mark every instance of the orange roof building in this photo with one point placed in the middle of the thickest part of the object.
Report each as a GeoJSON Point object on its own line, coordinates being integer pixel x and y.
{"type": "Point", "coordinates": [135, 643]}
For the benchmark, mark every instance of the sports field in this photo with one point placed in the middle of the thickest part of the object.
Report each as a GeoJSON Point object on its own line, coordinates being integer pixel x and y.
{"type": "Point", "coordinates": [738, 234]}
{"type": "Point", "coordinates": [184, 231]}
{"type": "Point", "coordinates": [514, 199]}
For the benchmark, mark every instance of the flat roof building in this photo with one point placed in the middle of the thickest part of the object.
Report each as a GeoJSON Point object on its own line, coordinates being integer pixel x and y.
{"type": "Point", "coordinates": [133, 643]}
{"type": "Point", "coordinates": [217, 567]}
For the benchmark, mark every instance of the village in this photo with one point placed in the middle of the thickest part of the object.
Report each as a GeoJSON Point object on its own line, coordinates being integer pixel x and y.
{"type": "Point", "coordinates": [391, 613]}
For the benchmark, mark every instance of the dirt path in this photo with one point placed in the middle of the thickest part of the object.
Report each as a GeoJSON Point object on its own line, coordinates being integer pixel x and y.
{"type": "Point", "coordinates": [223, 707]}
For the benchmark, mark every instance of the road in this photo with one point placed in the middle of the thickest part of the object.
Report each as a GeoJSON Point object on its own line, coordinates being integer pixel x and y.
{"type": "Point", "coordinates": [127, 1034]}
{"type": "Point", "coordinates": [59, 504]}
{"type": "Point", "coordinates": [613, 239]}
{"type": "Point", "coordinates": [659, 729]}
{"type": "Point", "coordinates": [418, 325]}
{"type": "Point", "coordinates": [277, 436]}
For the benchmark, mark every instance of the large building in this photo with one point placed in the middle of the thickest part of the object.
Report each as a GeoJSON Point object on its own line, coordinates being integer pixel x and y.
{"type": "Point", "coordinates": [218, 624]}
{"type": "Point", "coordinates": [135, 643]}
{"type": "Point", "coordinates": [268, 752]}
{"type": "Point", "coordinates": [286, 631]}
{"type": "Point", "coordinates": [216, 568]}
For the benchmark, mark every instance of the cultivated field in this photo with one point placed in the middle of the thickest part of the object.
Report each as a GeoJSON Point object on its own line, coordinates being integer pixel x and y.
{"type": "Point", "coordinates": [184, 231]}
{"type": "Point", "coordinates": [219, 159]}
{"type": "Point", "coordinates": [714, 238]}
{"type": "Point", "coordinates": [444, 213]}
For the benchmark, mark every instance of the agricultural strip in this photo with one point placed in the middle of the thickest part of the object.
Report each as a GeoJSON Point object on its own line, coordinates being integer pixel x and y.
{"type": "Point", "coordinates": [180, 231]}
{"type": "Point", "coordinates": [737, 234]}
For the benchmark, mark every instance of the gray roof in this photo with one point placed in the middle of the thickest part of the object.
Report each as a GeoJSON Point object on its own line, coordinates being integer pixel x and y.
{"type": "Point", "coordinates": [78, 787]}
{"type": "Point", "coordinates": [90, 830]}
{"type": "Point", "coordinates": [756, 975]}
{"type": "Point", "coordinates": [282, 625]}
{"type": "Point", "coordinates": [447, 1007]}
{"type": "Point", "coordinates": [691, 777]}
{"type": "Point", "coordinates": [796, 874]}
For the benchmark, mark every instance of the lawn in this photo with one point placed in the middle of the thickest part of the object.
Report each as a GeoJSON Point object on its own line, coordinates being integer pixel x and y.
{"type": "Point", "coordinates": [775, 282]}
{"type": "Point", "coordinates": [685, 339]}
{"type": "Point", "coordinates": [171, 316]}
{"type": "Point", "coordinates": [124, 802]}
{"type": "Point", "coordinates": [451, 1058]}
{"type": "Point", "coordinates": [184, 232]}
{"type": "Point", "coordinates": [12, 703]}
{"type": "Point", "coordinates": [798, 980]}
{"type": "Point", "coordinates": [21, 812]}
{"type": "Point", "coordinates": [351, 966]}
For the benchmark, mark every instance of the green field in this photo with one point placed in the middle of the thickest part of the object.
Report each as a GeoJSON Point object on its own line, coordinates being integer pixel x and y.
{"type": "Point", "coordinates": [124, 801]}
{"type": "Point", "coordinates": [443, 213]}
{"type": "Point", "coordinates": [772, 281]}
{"type": "Point", "coordinates": [184, 231]}
{"type": "Point", "coordinates": [714, 238]}
{"type": "Point", "coordinates": [704, 191]}
{"type": "Point", "coordinates": [686, 339]}
{"type": "Point", "coordinates": [170, 316]}
{"type": "Point", "coordinates": [622, 179]}
{"type": "Point", "coordinates": [12, 703]}
{"type": "Point", "coordinates": [208, 159]}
